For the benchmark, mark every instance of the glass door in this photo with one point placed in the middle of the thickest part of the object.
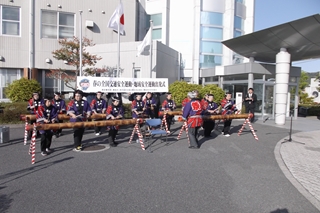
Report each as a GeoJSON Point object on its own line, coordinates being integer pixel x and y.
{"type": "Point", "coordinates": [269, 100]}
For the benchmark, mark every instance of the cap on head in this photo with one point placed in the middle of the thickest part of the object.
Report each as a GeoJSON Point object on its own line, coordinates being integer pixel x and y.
{"type": "Point", "coordinates": [78, 92]}
{"type": "Point", "coordinates": [209, 95]}
{"type": "Point", "coordinates": [35, 93]}
{"type": "Point", "coordinates": [57, 93]}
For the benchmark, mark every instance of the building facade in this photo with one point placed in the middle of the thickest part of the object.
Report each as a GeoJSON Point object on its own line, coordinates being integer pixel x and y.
{"type": "Point", "coordinates": [31, 29]}
{"type": "Point", "coordinates": [195, 28]}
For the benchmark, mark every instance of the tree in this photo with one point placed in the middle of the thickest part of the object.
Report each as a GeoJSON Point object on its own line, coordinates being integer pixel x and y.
{"type": "Point", "coordinates": [22, 89]}
{"type": "Point", "coordinates": [303, 83]}
{"type": "Point", "coordinates": [180, 89]}
{"type": "Point", "coordinates": [70, 54]}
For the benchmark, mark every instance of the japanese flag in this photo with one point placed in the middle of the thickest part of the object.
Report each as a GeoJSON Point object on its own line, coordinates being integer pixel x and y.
{"type": "Point", "coordinates": [116, 19]}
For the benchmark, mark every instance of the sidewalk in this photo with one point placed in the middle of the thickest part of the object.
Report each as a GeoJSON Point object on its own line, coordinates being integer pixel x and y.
{"type": "Point", "coordinates": [299, 158]}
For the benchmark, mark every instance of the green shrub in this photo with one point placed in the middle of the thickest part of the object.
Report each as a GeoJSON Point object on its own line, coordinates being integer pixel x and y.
{"type": "Point", "coordinates": [179, 90]}
{"type": "Point", "coordinates": [12, 111]}
{"type": "Point", "coordinates": [213, 89]}
{"type": "Point", "coordinates": [313, 109]}
{"type": "Point", "coordinates": [22, 89]}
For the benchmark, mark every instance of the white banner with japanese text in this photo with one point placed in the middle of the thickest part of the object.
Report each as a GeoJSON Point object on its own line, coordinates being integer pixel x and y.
{"type": "Point", "coordinates": [113, 85]}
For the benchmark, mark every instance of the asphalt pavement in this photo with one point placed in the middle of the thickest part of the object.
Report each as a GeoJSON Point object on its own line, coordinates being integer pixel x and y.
{"type": "Point", "coordinates": [235, 174]}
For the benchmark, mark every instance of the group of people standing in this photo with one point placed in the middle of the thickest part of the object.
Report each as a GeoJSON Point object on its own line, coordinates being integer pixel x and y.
{"type": "Point", "coordinates": [195, 108]}
{"type": "Point", "coordinates": [146, 105]}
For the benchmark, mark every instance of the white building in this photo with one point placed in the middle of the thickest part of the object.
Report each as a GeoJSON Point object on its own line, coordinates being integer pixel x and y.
{"type": "Point", "coordinates": [195, 28]}
{"type": "Point", "coordinates": [30, 30]}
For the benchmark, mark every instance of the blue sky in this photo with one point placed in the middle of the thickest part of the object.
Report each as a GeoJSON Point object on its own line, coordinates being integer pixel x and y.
{"type": "Point", "coordinates": [269, 13]}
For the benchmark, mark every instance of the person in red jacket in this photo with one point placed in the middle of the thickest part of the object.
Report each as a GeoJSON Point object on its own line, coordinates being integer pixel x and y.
{"type": "Point", "coordinates": [98, 106]}
{"type": "Point", "coordinates": [46, 114]}
{"type": "Point", "coordinates": [228, 108]}
{"type": "Point", "coordinates": [168, 105]}
{"type": "Point", "coordinates": [193, 113]}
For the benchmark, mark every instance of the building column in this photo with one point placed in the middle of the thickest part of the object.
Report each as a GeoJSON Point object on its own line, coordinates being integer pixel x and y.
{"type": "Point", "coordinates": [250, 80]}
{"type": "Point", "coordinates": [282, 79]}
{"type": "Point", "coordinates": [250, 74]}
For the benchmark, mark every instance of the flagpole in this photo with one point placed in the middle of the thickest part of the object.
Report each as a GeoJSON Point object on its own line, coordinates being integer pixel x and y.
{"type": "Point", "coordinates": [151, 28]}
{"type": "Point", "coordinates": [118, 65]}
{"type": "Point", "coordinates": [80, 42]}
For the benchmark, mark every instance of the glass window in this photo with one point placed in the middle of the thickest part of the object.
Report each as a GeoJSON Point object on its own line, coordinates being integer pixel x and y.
{"type": "Point", "coordinates": [57, 25]}
{"type": "Point", "coordinates": [7, 76]}
{"type": "Point", "coordinates": [10, 20]}
{"type": "Point", "coordinates": [241, 1]}
{"type": "Point", "coordinates": [211, 18]}
{"type": "Point", "coordinates": [157, 33]}
{"type": "Point", "coordinates": [238, 23]}
{"type": "Point", "coordinates": [211, 33]}
{"type": "Point", "coordinates": [211, 47]}
{"type": "Point", "coordinates": [237, 33]}
{"type": "Point", "coordinates": [210, 60]}
{"type": "Point", "coordinates": [157, 19]}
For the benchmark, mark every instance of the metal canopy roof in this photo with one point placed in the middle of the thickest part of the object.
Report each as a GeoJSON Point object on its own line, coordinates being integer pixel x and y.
{"type": "Point", "coordinates": [301, 38]}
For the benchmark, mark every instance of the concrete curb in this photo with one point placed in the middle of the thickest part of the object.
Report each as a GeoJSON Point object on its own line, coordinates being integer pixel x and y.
{"type": "Point", "coordinates": [292, 179]}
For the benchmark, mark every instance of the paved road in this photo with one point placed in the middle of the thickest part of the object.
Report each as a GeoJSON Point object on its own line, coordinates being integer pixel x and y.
{"type": "Point", "coordinates": [235, 174]}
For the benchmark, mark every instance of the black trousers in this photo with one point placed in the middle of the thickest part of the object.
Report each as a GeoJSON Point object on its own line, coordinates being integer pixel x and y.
{"type": "Point", "coordinates": [226, 126]}
{"type": "Point", "coordinates": [208, 127]}
{"type": "Point", "coordinates": [46, 139]}
{"type": "Point", "coordinates": [192, 133]}
{"type": "Point", "coordinates": [60, 130]}
{"type": "Point", "coordinates": [250, 109]}
{"type": "Point", "coordinates": [112, 135]}
{"type": "Point", "coordinates": [77, 136]}
{"type": "Point", "coordinates": [169, 120]}
{"type": "Point", "coordinates": [97, 129]}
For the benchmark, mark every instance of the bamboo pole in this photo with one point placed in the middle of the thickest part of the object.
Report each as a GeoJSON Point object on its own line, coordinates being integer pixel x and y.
{"type": "Point", "coordinates": [62, 117]}
{"type": "Point", "coordinates": [71, 125]}
{"type": "Point", "coordinates": [121, 122]}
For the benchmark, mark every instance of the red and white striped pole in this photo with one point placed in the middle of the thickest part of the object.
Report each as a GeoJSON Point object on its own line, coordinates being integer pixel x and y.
{"type": "Point", "coordinates": [252, 130]}
{"type": "Point", "coordinates": [25, 133]}
{"type": "Point", "coordinates": [164, 120]}
{"type": "Point", "coordinates": [133, 131]}
{"type": "Point", "coordinates": [182, 129]}
{"type": "Point", "coordinates": [140, 138]}
{"type": "Point", "coordinates": [245, 121]}
{"type": "Point", "coordinates": [33, 146]}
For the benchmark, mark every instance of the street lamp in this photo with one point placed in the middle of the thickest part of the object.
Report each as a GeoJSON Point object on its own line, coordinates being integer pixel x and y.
{"type": "Point", "coordinates": [80, 49]}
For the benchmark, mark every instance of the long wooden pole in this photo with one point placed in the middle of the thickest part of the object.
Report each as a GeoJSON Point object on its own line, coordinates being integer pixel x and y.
{"type": "Point", "coordinates": [122, 122]}
{"type": "Point", "coordinates": [62, 117]}
{"type": "Point", "coordinates": [85, 124]}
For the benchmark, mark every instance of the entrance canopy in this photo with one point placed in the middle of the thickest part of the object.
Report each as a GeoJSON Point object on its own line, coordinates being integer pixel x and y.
{"type": "Point", "coordinates": [301, 38]}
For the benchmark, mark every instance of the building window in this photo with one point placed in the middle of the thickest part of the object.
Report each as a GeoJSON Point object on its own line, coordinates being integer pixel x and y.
{"type": "Point", "coordinates": [157, 26]}
{"type": "Point", "coordinates": [208, 60]}
{"type": "Point", "coordinates": [238, 23]}
{"type": "Point", "coordinates": [10, 20]}
{"type": "Point", "coordinates": [7, 76]}
{"type": "Point", "coordinates": [211, 18]}
{"type": "Point", "coordinates": [241, 1]}
{"type": "Point", "coordinates": [237, 33]}
{"type": "Point", "coordinates": [57, 25]}
{"type": "Point", "coordinates": [211, 47]}
{"type": "Point", "coordinates": [211, 33]}
{"type": "Point", "coordinates": [237, 59]}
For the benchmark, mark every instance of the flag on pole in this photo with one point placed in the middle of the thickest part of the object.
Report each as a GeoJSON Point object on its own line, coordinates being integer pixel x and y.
{"type": "Point", "coordinates": [145, 42]}
{"type": "Point", "coordinates": [116, 19]}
